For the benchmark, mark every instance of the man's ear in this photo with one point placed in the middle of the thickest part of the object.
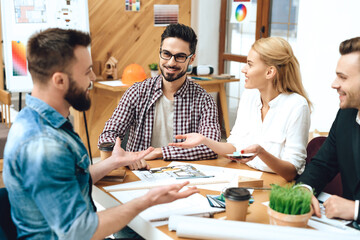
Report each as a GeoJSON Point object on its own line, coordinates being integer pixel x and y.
{"type": "Point", "coordinates": [192, 59]}
{"type": "Point", "coordinates": [60, 80]}
{"type": "Point", "coordinates": [271, 72]}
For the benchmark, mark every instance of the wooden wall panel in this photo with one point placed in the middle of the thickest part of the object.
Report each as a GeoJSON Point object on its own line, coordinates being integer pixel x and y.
{"type": "Point", "coordinates": [128, 36]}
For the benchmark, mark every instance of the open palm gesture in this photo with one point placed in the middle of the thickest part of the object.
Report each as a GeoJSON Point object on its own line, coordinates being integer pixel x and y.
{"type": "Point", "coordinates": [191, 140]}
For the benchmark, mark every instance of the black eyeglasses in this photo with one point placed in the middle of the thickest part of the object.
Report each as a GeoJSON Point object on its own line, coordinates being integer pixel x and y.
{"type": "Point", "coordinates": [180, 57]}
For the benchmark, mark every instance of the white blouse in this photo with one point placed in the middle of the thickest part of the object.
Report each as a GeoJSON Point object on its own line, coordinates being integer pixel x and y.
{"type": "Point", "coordinates": [283, 133]}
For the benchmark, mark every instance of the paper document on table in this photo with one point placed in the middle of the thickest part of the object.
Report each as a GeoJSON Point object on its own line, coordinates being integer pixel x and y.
{"type": "Point", "coordinates": [180, 171]}
{"type": "Point", "coordinates": [192, 205]}
{"type": "Point", "coordinates": [113, 83]}
{"type": "Point", "coordinates": [214, 174]}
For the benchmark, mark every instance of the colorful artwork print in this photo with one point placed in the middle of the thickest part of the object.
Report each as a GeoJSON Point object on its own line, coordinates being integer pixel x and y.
{"type": "Point", "coordinates": [30, 11]}
{"type": "Point", "coordinates": [19, 58]}
{"type": "Point", "coordinates": [165, 14]}
{"type": "Point", "coordinates": [132, 5]}
{"type": "Point", "coordinates": [240, 12]}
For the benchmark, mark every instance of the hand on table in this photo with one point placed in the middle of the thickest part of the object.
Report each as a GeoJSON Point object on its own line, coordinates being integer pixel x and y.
{"type": "Point", "coordinates": [142, 164]}
{"type": "Point", "coordinates": [338, 207]}
{"type": "Point", "coordinates": [316, 206]}
{"type": "Point", "coordinates": [191, 140]}
{"type": "Point", "coordinates": [157, 153]}
{"type": "Point", "coordinates": [335, 207]}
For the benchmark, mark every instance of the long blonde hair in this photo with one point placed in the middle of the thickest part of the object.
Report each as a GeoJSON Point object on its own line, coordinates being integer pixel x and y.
{"type": "Point", "coordinates": [277, 52]}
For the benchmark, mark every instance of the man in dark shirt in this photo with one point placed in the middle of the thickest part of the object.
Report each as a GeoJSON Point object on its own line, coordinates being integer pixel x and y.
{"type": "Point", "coordinates": [341, 150]}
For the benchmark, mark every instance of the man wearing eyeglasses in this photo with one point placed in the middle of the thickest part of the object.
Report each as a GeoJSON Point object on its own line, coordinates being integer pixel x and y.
{"type": "Point", "coordinates": [157, 109]}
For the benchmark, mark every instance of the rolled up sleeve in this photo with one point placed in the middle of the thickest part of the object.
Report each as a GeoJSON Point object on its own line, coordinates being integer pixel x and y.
{"type": "Point", "coordinates": [297, 137]}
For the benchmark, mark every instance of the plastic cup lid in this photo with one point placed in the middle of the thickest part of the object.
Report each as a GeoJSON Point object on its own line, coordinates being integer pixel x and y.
{"type": "Point", "coordinates": [237, 194]}
{"type": "Point", "coordinates": [106, 146]}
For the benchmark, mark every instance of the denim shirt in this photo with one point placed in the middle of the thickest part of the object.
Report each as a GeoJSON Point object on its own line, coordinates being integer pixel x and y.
{"type": "Point", "coordinates": [46, 172]}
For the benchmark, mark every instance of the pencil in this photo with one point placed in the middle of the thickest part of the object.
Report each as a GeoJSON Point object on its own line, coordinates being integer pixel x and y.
{"type": "Point", "coordinates": [258, 188]}
{"type": "Point", "coordinates": [153, 186]}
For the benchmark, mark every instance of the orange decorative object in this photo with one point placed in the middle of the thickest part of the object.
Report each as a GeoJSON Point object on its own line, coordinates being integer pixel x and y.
{"type": "Point", "coordinates": [133, 73]}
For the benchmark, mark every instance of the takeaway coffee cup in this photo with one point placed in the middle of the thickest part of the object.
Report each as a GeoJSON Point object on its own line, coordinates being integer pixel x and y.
{"type": "Point", "coordinates": [106, 149]}
{"type": "Point", "coordinates": [237, 202]}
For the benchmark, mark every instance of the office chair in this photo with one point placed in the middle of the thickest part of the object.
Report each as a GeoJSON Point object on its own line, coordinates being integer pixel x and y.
{"type": "Point", "coordinates": [7, 227]}
{"type": "Point", "coordinates": [335, 186]}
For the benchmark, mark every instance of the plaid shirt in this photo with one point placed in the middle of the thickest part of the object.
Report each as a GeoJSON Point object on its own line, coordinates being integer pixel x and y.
{"type": "Point", "coordinates": [194, 111]}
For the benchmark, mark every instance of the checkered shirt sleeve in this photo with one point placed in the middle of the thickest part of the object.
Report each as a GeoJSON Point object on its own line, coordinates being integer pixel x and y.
{"type": "Point", "coordinates": [134, 113]}
{"type": "Point", "coordinates": [122, 117]}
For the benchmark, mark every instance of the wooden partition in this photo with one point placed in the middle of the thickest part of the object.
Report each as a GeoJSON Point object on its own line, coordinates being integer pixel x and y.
{"type": "Point", "coordinates": [130, 37]}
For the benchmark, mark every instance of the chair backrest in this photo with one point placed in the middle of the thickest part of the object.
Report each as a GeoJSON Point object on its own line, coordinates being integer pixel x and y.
{"type": "Point", "coordinates": [5, 103]}
{"type": "Point", "coordinates": [335, 186]}
{"type": "Point", "coordinates": [7, 227]}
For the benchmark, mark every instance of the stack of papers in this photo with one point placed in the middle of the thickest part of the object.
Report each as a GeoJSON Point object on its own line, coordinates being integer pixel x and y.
{"type": "Point", "coordinates": [219, 178]}
{"type": "Point", "coordinates": [203, 176]}
{"type": "Point", "coordinates": [195, 204]}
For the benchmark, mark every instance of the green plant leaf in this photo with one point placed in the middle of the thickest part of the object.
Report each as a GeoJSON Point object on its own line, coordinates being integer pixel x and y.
{"type": "Point", "coordinates": [290, 199]}
{"type": "Point", "coordinates": [153, 66]}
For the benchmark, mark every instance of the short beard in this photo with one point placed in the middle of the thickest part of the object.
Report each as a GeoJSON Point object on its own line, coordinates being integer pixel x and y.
{"type": "Point", "coordinates": [77, 98]}
{"type": "Point", "coordinates": [171, 79]}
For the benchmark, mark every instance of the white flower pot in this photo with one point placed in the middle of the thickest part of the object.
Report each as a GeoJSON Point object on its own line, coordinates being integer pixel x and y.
{"type": "Point", "coordinates": [154, 73]}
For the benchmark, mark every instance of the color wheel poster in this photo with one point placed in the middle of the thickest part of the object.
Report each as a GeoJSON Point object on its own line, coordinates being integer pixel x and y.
{"type": "Point", "coordinates": [240, 11]}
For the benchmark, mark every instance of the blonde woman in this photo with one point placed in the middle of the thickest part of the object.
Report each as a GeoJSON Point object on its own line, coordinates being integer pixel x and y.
{"type": "Point", "coordinates": [273, 118]}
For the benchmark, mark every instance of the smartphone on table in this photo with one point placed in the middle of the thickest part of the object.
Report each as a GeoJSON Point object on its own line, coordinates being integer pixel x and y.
{"type": "Point", "coordinates": [238, 155]}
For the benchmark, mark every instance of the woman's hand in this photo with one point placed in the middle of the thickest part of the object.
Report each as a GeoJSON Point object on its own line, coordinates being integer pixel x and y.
{"type": "Point", "coordinates": [256, 149]}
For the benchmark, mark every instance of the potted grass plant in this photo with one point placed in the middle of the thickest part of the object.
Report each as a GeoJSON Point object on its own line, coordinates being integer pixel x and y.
{"type": "Point", "coordinates": [153, 69]}
{"type": "Point", "coordinates": [290, 206]}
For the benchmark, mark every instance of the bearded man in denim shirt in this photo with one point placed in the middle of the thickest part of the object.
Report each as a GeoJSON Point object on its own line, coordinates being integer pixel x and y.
{"type": "Point", "coordinates": [46, 166]}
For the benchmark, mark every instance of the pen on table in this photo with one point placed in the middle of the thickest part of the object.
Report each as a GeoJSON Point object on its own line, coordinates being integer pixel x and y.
{"type": "Point", "coordinates": [206, 214]}
{"type": "Point", "coordinates": [258, 188]}
{"type": "Point", "coordinates": [191, 177]}
{"type": "Point", "coordinates": [159, 185]}
{"type": "Point", "coordinates": [215, 181]}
